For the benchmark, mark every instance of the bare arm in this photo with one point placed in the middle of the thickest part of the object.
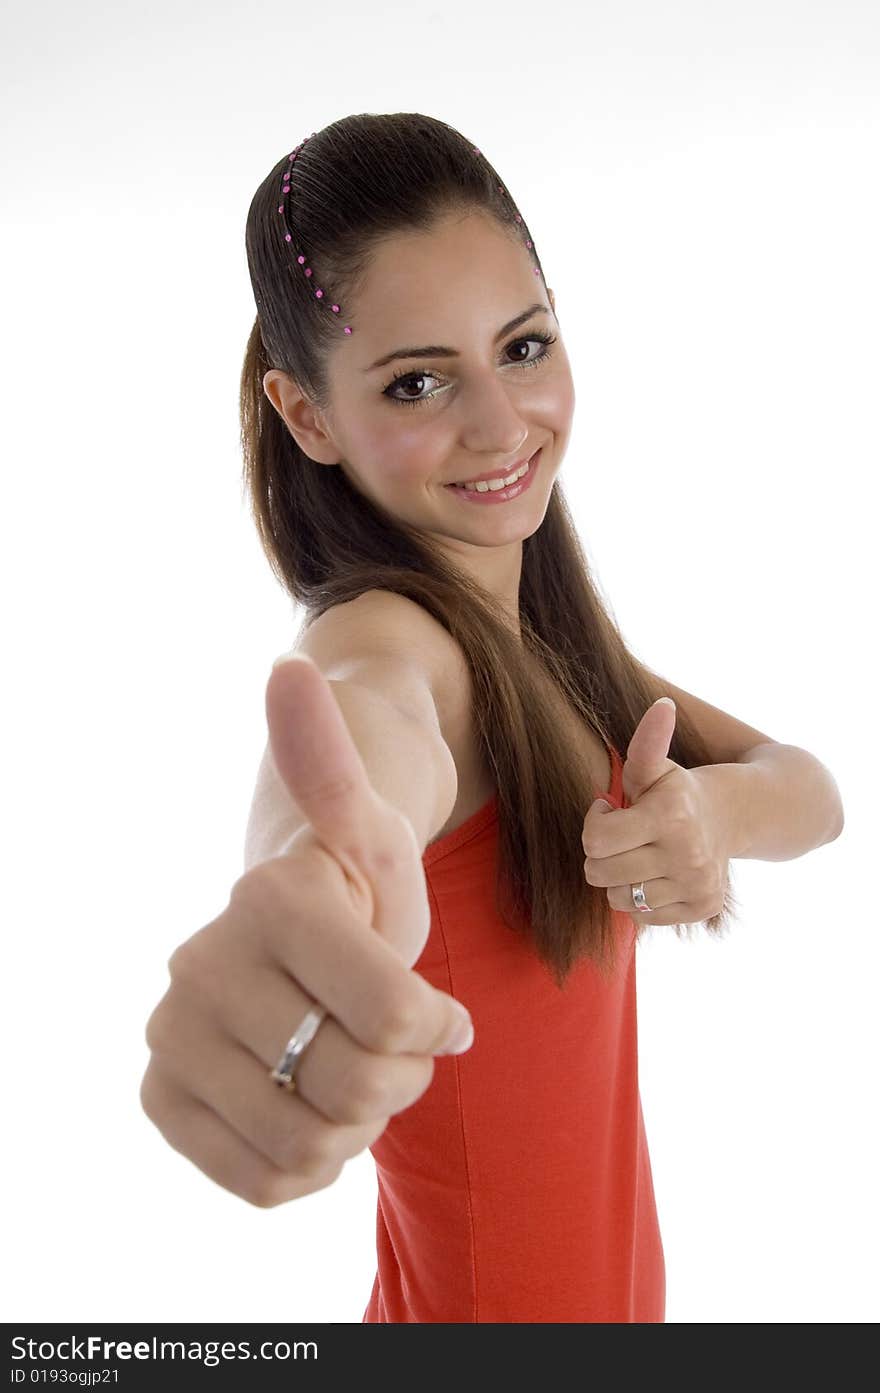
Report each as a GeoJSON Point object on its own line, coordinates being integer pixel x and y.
{"type": "Point", "coordinates": [383, 679]}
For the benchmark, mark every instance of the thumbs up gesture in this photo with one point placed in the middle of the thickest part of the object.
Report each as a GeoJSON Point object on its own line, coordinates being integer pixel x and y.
{"type": "Point", "coordinates": [673, 837]}
{"type": "Point", "coordinates": [325, 932]}
{"type": "Point", "coordinates": [371, 844]}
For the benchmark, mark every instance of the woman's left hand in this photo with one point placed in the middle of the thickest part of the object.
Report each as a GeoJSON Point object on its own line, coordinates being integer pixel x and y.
{"type": "Point", "coordinates": [675, 836]}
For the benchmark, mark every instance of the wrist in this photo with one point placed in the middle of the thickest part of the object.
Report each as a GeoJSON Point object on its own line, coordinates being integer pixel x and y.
{"type": "Point", "coordinates": [732, 793]}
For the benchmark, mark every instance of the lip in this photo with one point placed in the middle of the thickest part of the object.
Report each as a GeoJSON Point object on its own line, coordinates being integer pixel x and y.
{"type": "Point", "coordinates": [501, 495]}
{"type": "Point", "coordinates": [493, 474]}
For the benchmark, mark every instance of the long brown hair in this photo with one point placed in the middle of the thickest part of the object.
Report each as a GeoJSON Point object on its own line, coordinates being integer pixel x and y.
{"type": "Point", "coordinates": [357, 181]}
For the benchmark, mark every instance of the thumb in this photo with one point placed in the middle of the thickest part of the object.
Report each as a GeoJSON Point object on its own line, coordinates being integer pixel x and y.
{"type": "Point", "coordinates": [322, 768]}
{"type": "Point", "coordinates": [314, 752]}
{"type": "Point", "coordinates": [647, 758]}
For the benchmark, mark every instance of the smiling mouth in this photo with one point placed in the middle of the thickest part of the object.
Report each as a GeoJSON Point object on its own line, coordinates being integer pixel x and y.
{"type": "Point", "coordinates": [499, 482]}
{"type": "Point", "coordinates": [485, 495]}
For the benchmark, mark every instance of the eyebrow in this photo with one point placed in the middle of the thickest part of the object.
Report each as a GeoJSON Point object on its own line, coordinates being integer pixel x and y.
{"type": "Point", "coordinates": [437, 351]}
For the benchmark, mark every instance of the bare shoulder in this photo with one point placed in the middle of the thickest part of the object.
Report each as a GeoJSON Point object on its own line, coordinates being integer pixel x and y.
{"type": "Point", "coordinates": [387, 640]}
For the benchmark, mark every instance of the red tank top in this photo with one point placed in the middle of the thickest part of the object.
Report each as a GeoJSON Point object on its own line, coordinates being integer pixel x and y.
{"type": "Point", "coordinates": [518, 1187]}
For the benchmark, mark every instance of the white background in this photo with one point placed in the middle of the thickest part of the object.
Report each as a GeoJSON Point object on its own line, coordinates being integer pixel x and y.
{"type": "Point", "coordinates": [701, 180]}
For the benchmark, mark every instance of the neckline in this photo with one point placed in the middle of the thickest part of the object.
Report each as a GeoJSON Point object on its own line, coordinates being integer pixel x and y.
{"type": "Point", "coordinates": [488, 813]}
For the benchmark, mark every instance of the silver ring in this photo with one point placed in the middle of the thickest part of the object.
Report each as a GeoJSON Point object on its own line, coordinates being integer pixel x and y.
{"type": "Point", "coordinates": [638, 897]}
{"type": "Point", "coordinates": [284, 1072]}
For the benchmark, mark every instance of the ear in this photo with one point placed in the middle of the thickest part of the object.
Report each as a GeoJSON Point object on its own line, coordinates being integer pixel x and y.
{"type": "Point", "coordinates": [304, 422]}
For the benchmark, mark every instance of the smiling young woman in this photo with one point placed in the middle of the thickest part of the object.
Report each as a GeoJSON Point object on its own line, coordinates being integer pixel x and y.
{"type": "Point", "coordinates": [518, 1187]}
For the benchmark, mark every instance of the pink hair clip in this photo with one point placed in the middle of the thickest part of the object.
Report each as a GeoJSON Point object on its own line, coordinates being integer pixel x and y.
{"type": "Point", "coordinates": [285, 189]}
{"type": "Point", "coordinates": [301, 261]}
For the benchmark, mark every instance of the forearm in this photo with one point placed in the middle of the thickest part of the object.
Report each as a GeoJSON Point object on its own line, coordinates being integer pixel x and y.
{"type": "Point", "coordinates": [778, 802]}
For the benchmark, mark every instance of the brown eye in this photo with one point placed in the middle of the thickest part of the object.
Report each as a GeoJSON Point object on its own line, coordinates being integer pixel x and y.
{"type": "Point", "coordinates": [405, 379]}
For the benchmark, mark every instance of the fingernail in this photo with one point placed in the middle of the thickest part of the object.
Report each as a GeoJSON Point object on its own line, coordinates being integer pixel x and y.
{"type": "Point", "coordinates": [462, 1036]}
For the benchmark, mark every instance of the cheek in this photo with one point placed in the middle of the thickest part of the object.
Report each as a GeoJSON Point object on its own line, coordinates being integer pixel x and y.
{"type": "Point", "coordinates": [408, 455]}
{"type": "Point", "coordinates": [561, 401]}
{"type": "Point", "coordinates": [570, 399]}
{"type": "Point", "coordinates": [550, 402]}
{"type": "Point", "coordinates": [556, 412]}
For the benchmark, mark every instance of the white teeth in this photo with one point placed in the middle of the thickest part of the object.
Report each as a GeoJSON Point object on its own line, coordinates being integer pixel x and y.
{"type": "Point", "coordinates": [493, 485]}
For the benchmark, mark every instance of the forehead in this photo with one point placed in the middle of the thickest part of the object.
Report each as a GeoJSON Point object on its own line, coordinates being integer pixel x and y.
{"type": "Point", "coordinates": [449, 232]}
{"type": "Point", "coordinates": [431, 277]}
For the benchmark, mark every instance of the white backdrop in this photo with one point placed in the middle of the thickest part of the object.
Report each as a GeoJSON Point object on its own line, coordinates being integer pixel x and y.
{"type": "Point", "coordinates": [701, 180]}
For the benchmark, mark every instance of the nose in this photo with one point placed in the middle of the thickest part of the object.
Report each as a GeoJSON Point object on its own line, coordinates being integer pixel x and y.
{"type": "Point", "coordinates": [492, 423]}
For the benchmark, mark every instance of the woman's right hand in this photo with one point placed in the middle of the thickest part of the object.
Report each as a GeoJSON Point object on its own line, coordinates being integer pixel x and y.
{"type": "Point", "coordinates": [338, 919]}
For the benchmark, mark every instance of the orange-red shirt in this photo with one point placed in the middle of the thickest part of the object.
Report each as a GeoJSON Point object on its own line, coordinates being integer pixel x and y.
{"type": "Point", "coordinates": [518, 1187]}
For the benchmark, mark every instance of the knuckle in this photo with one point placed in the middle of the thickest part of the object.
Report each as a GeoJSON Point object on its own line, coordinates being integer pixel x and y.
{"type": "Point", "coordinates": [715, 902]}
{"type": "Point", "coordinates": [694, 853]}
{"type": "Point", "coordinates": [292, 1147]}
{"type": "Point", "coordinates": [148, 1094]}
{"type": "Point", "coordinates": [298, 1146]}
{"type": "Point", "coordinates": [183, 963]}
{"type": "Point", "coordinates": [428, 1075]}
{"type": "Point", "coordinates": [365, 1095]}
{"type": "Point", "coordinates": [199, 969]}
{"type": "Point", "coordinates": [271, 894]}
{"type": "Point", "coordinates": [389, 859]}
{"type": "Point", "coordinates": [269, 888]}
{"type": "Point", "coordinates": [264, 1190]}
{"type": "Point", "coordinates": [281, 1139]}
{"type": "Point", "coordinates": [260, 891]}
{"type": "Point", "coordinates": [194, 963]}
{"type": "Point", "coordinates": [319, 1179]}
{"type": "Point", "coordinates": [333, 1174]}
{"type": "Point", "coordinates": [162, 1100]}
{"type": "Point", "coordinates": [315, 1150]}
{"type": "Point", "coordinates": [396, 1021]}
{"type": "Point", "coordinates": [327, 1174]}
{"type": "Point", "coordinates": [271, 1188]}
{"type": "Point", "coordinates": [159, 1032]}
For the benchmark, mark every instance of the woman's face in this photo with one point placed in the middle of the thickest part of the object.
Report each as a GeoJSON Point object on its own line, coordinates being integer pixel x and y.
{"type": "Point", "coordinates": [489, 400]}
